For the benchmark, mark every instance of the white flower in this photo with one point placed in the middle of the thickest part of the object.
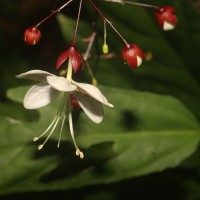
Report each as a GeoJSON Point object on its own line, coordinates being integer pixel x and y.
{"type": "Point", "coordinates": [89, 97]}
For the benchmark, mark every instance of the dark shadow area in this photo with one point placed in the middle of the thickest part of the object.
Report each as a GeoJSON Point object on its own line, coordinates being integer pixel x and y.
{"type": "Point", "coordinates": [158, 186]}
{"type": "Point", "coordinates": [70, 165]}
{"type": "Point", "coordinates": [129, 120]}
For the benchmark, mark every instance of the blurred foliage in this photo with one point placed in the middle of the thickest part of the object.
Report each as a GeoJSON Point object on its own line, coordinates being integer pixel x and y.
{"type": "Point", "coordinates": [140, 149]}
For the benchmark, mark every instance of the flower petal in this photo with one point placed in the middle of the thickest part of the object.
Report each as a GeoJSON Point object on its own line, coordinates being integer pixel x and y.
{"type": "Point", "coordinates": [167, 26]}
{"type": "Point", "coordinates": [39, 95]}
{"type": "Point", "coordinates": [75, 63]}
{"type": "Point", "coordinates": [139, 61]}
{"type": "Point", "coordinates": [36, 75]}
{"type": "Point", "coordinates": [94, 92]}
{"type": "Point", "coordinates": [61, 84]}
{"type": "Point", "coordinates": [61, 59]}
{"type": "Point", "coordinates": [92, 108]}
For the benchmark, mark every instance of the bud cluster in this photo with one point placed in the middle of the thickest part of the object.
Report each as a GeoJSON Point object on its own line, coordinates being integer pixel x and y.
{"type": "Point", "coordinates": [131, 53]}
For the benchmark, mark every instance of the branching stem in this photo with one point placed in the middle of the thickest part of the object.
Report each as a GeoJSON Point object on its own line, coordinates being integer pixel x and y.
{"type": "Point", "coordinates": [105, 19]}
{"type": "Point", "coordinates": [53, 13]}
{"type": "Point", "coordinates": [77, 23]}
{"type": "Point", "coordinates": [133, 3]}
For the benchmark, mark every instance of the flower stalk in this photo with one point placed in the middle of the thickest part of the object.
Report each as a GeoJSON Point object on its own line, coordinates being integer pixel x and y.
{"type": "Point", "coordinates": [133, 3]}
{"type": "Point", "coordinates": [53, 13]}
{"type": "Point", "coordinates": [109, 22]}
{"type": "Point", "coordinates": [77, 23]}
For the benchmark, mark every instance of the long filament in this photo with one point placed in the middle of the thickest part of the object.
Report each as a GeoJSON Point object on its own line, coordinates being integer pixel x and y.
{"type": "Point", "coordinates": [63, 122]}
{"type": "Point", "coordinates": [78, 152]}
{"type": "Point", "coordinates": [36, 138]}
{"type": "Point", "coordinates": [53, 123]}
{"type": "Point", "coordinates": [40, 146]}
{"type": "Point", "coordinates": [72, 130]}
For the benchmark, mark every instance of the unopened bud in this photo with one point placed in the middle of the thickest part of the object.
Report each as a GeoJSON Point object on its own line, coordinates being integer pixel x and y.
{"type": "Point", "coordinates": [32, 36]}
{"type": "Point", "coordinates": [133, 55]}
{"type": "Point", "coordinates": [165, 18]}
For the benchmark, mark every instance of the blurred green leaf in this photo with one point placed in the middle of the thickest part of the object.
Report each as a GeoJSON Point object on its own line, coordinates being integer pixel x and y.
{"type": "Point", "coordinates": [166, 133]}
{"type": "Point", "coordinates": [17, 94]}
{"type": "Point", "coordinates": [140, 111]}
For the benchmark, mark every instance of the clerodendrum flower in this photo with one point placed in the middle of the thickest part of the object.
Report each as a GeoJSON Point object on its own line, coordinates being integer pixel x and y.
{"type": "Point", "coordinates": [89, 97]}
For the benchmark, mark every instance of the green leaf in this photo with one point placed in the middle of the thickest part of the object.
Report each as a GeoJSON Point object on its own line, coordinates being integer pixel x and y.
{"type": "Point", "coordinates": [164, 133]}
{"type": "Point", "coordinates": [17, 94]}
{"type": "Point", "coordinates": [140, 111]}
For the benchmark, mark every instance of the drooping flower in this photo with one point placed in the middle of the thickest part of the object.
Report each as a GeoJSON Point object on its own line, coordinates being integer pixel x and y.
{"type": "Point", "coordinates": [75, 57]}
{"type": "Point", "coordinates": [165, 17]}
{"type": "Point", "coordinates": [32, 36]}
{"type": "Point", "coordinates": [88, 96]}
{"type": "Point", "coordinates": [133, 55]}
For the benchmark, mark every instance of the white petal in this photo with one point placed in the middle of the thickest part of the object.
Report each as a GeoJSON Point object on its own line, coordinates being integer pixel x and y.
{"type": "Point", "coordinates": [39, 95]}
{"type": "Point", "coordinates": [36, 75]}
{"type": "Point", "coordinates": [168, 26]}
{"type": "Point", "coordinates": [92, 108]}
{"type": "Point", "coordinates": [61, 84]}
{"type": "Point", "coordinates": [94, 92]}
{"type": "Point", "coordinates": [139, 61]}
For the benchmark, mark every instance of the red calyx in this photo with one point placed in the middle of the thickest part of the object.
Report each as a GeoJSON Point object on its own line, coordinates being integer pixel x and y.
{"type": "Point", "coordinates": [32, 36]}
{"type": "Point", "coordinates": [74, 103]}
{"type": "Point", "coordinates": [165, 14]}
{"type": "Point", "coordinates": [75, 56]}
{"type": "Point", "coordinates": [133, 55]}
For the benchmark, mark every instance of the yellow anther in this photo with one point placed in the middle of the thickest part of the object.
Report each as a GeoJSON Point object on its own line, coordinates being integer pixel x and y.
{"type": "Point", "coordinates": [63, 72]}
{"type": "Point", "coordinates": [94, 82]}
{"type": "Point", "coordinates": [148, 56]}
{"type": "Point", "coordinates": [105, 48]}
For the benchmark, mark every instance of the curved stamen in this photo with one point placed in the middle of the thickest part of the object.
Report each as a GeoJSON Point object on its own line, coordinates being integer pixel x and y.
{"type": "Point", "coordinates": [78, 152]}
{"type": "Point", "coordinates": [53, 123]}
{"type": "Point", "coordinates": [41, 146]}
{"type": "Point", "coordinates": [63, 122]}
{"type": "Point", "coordinates": [37, 138]}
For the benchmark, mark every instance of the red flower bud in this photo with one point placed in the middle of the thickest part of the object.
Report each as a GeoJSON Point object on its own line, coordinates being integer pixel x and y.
{"type": "Point", "coordinates": [32, 36]}
{"type": "Point", "coordinates": [165, 18]}
{"type": "Point", "coordinates": [75, 56]}
{"type": "Point", "coordinates": [133, 55]}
